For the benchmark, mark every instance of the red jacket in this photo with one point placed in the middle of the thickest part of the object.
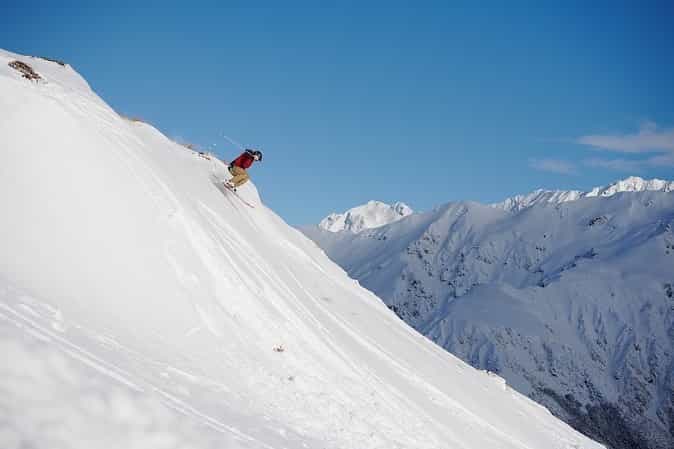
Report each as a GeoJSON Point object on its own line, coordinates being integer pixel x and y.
{"type": "Point", "coordinates": [244, 161]}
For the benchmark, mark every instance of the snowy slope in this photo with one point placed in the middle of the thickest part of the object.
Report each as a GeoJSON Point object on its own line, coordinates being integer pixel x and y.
{"type": "Point", "coordinates": [631, 184]}
{"type": "Point", "coordinates": [570, 302]}
{"type": "Point", "coordinates": [367, 216]}
{"type": "Point", "coordinates": [143, 307]}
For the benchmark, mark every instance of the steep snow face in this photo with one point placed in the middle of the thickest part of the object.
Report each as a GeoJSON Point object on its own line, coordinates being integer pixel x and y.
{"type": "Point", "coordinates": [367, 216]}
{"type": "Point", "coordinates": [631, 184]}
{"type": "Point", "coordinates": [571, 302]}
{"type": "Point", "coordinates": [142, 306]}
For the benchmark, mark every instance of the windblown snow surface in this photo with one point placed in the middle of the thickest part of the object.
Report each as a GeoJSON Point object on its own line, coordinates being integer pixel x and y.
{"type": "Point", "coordinates": [567, 295]}
{"type": "Point", "coordinates": [142, 307]}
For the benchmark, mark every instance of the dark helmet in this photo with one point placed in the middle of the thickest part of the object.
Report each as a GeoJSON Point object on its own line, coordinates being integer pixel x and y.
{"type": "Point", "coordinates": [257, 154]}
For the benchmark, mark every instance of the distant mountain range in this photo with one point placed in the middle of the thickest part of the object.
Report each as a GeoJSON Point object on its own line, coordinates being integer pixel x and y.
{"type": "Point", "coordinates": [631, 184]}
{"type": "Point", "coordinates": [568, 295]}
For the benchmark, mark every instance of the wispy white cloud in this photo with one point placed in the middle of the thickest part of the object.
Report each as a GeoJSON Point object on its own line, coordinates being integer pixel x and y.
{"type": "Point", "coordinates": [553, 166]}
{"type": "Point", "coordinates": [649, 139]}
{"type": "Point", "coordinates": [632, 165]}
{"type": "Point", "coordinates": [663, 160]}
{"type": "Point", "coordinates": [624, 165]}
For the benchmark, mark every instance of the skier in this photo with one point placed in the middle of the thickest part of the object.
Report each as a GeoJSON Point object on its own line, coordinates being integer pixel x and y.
{"type": "Point", "coordinates": [237, 168]}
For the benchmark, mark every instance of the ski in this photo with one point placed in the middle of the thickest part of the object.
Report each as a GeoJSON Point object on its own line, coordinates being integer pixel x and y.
{"type": "Point", "coordinates": [237, 195]}
{"type": "Point", "coordinates": [220, 184]}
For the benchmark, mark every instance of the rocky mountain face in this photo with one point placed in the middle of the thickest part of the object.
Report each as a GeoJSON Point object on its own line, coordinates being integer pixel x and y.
{"type": "Point", "coordinates": [571, 301]}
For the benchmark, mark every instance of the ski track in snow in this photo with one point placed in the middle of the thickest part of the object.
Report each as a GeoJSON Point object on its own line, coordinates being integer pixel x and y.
{"type": "Point", "coordinates": [40, 326]}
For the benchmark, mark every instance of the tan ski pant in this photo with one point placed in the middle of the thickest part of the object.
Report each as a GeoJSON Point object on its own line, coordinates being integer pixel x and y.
{"type": "Point", "coordinates": [239, 176]}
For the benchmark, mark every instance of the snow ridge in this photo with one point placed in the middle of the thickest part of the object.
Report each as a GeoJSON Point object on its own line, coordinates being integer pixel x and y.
{"type": "Point", "coordinates": [630, 184]}
{"type": "Point", "coordinates": [367, 216]}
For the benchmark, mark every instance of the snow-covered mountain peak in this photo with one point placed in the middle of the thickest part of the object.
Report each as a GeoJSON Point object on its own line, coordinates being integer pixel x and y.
{"type": "Point", "coordinates": [539, 196]}
{"type": "Point", "coordinates": [47, 70]}
{"type": "Point", "coordinates": [519, 202]}
{"type": "Point", "coordinates": [632, 184]}
{"type": "Point", "coordinates": [370, 215]}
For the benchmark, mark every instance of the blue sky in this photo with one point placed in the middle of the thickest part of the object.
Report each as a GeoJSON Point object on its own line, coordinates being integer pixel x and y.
{"type": "Point", "coordinates": [383, 100]}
